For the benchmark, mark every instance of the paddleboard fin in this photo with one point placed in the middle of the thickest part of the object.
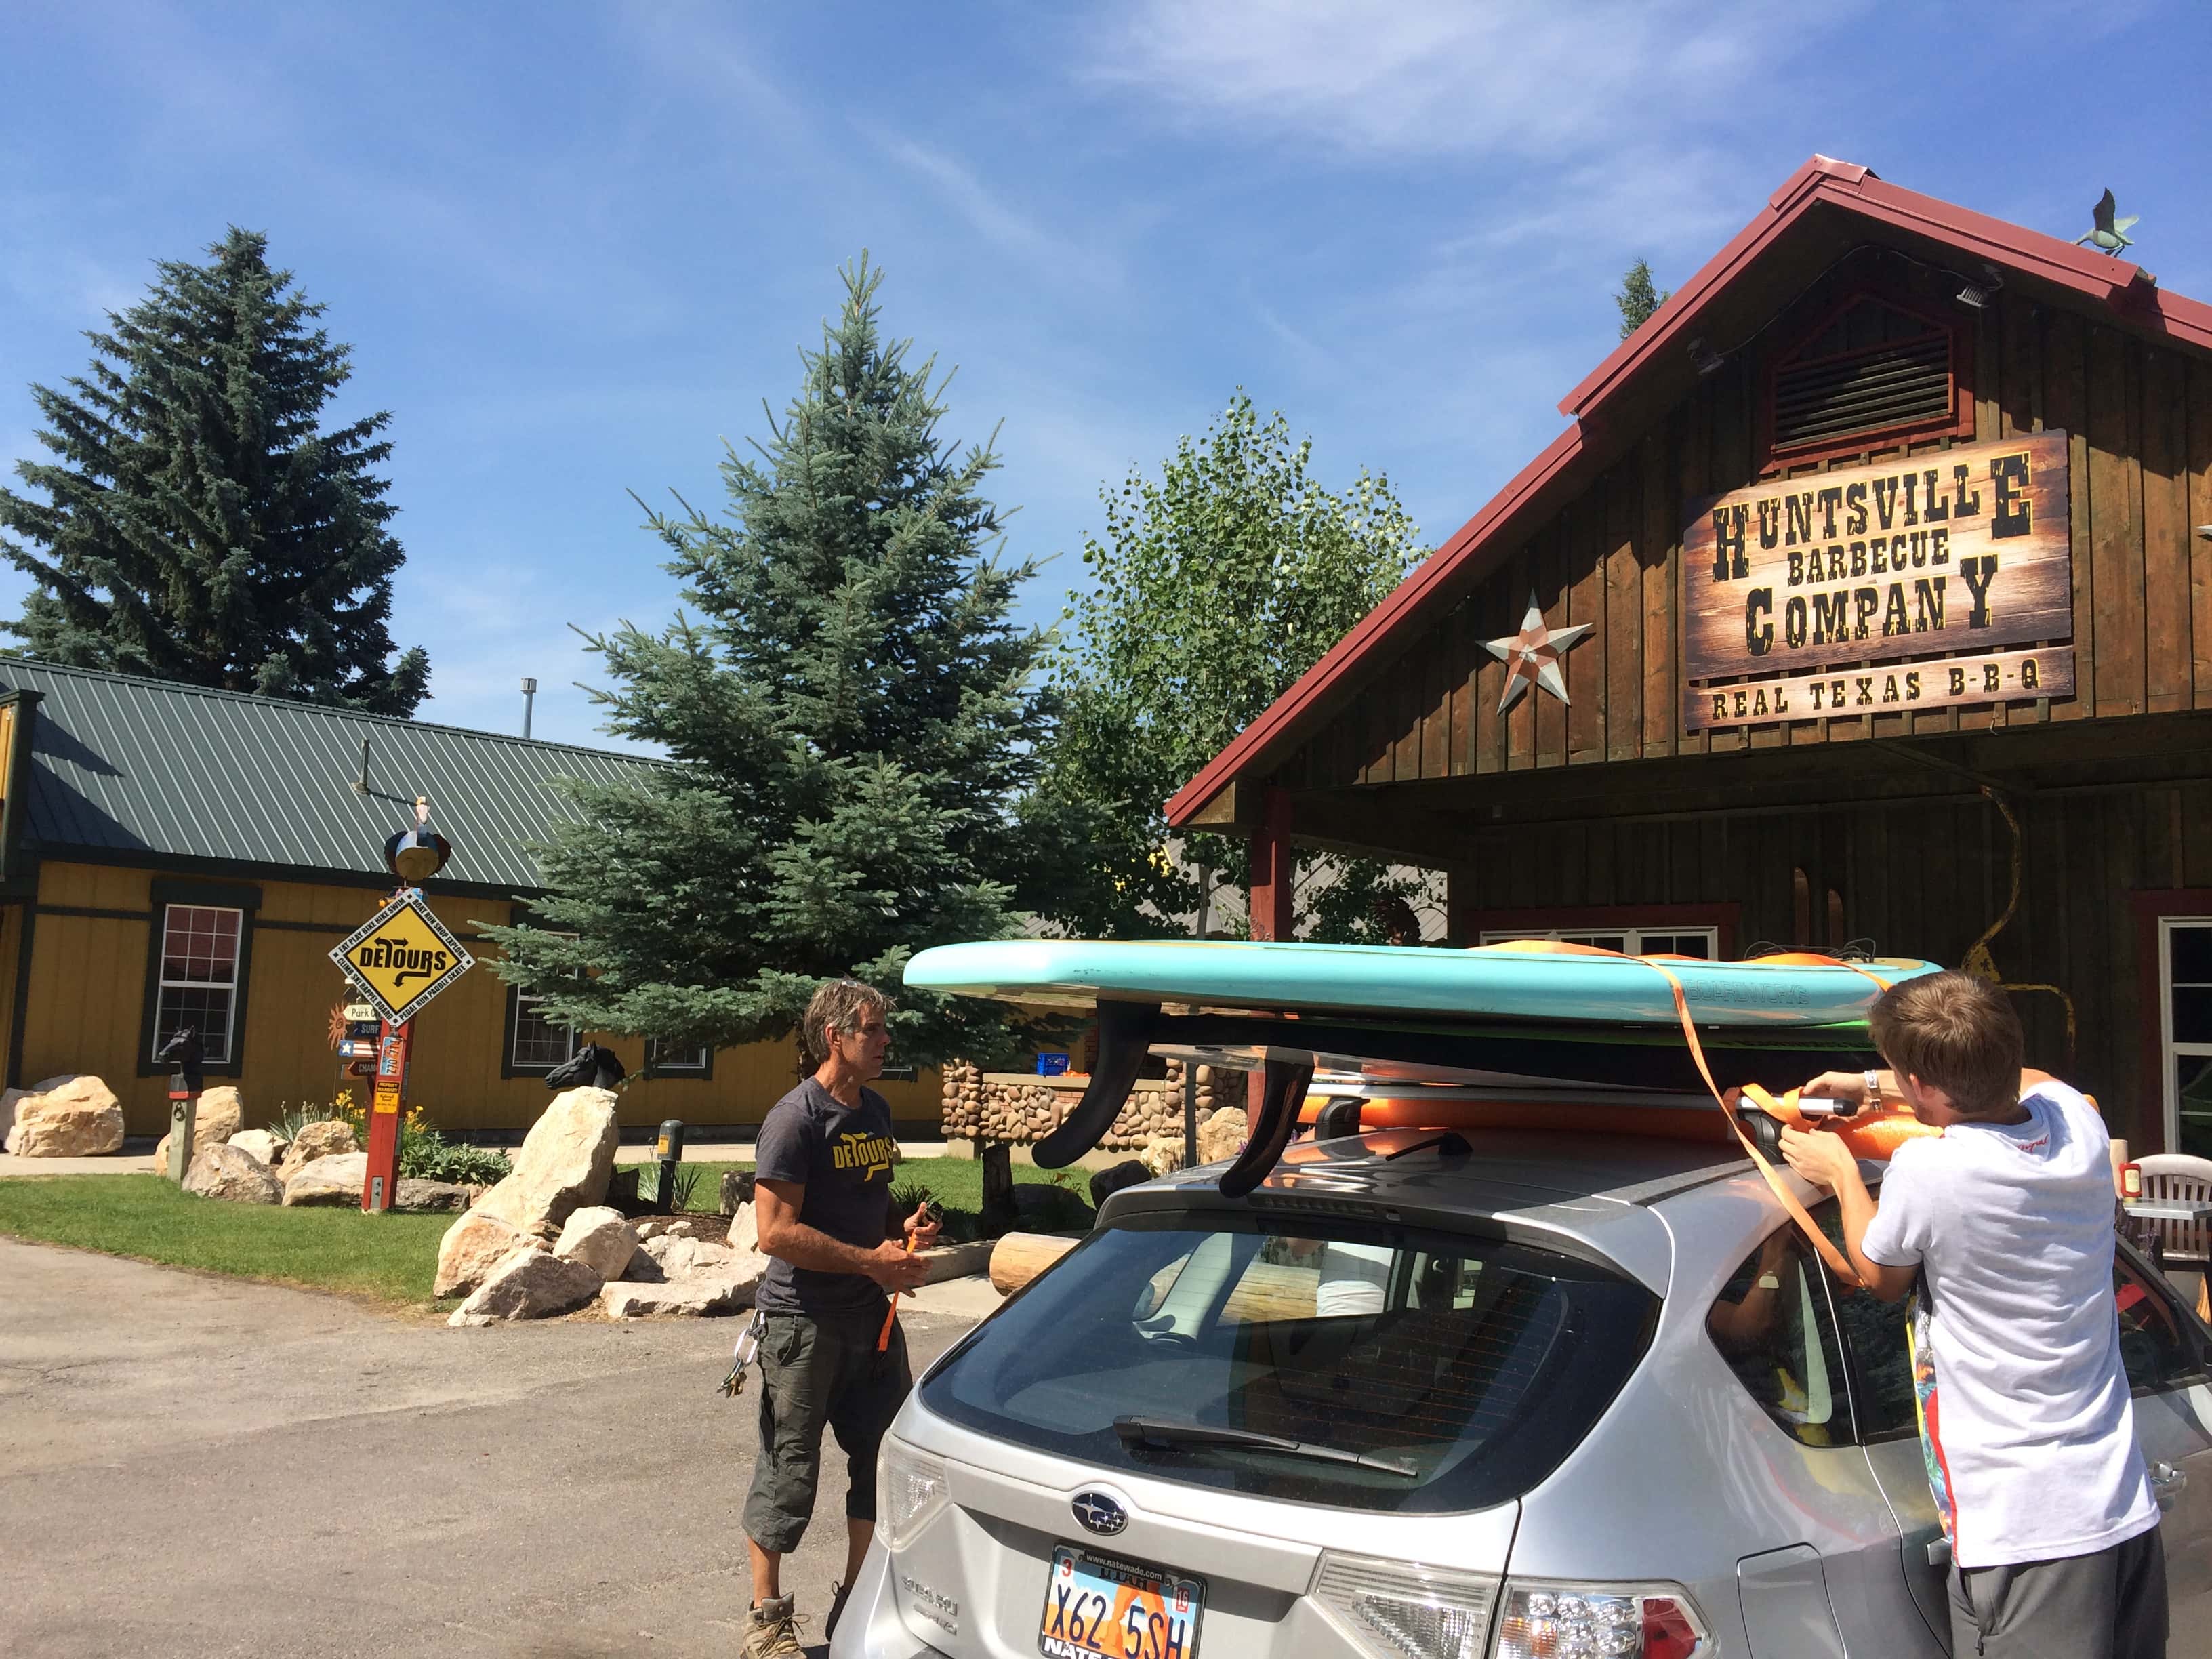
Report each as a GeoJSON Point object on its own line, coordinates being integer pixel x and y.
{"type": "Point", "coordinates": [1281, 1096]}
{"type": "Point", "coordinates": [1125, 1033]}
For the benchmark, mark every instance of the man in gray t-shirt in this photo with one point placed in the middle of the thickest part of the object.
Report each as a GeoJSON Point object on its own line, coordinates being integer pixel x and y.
{"type": "Point", "coordinates": [829, 1358]}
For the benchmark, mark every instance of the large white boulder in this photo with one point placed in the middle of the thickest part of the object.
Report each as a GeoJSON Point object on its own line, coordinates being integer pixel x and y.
{"type": "Point", "coordinates": [219, 1114]}
{"type": "Point", "coordinates": [1223, 1135]}
{"type": "Point", "coordinates": [67, 1117]}
{"type": "Point", "coordinates": [563, 1166]}
{"type": "Point", "coordinates": [472, 1247]}
{"type": "Point", "coordinates": [1162, 1155]}
{"type": "Point", "coordinates": [696, 1297]}
{"type": "Point", "coordinates": [259, 1145]}
{"type": "Point", "coordinates": [336, 1180]}
{"type": "Point", "coordinates": [528, 1282]}
{"type": "Point", "coordinates": [331, 1137]}
{"type": "Point", "coordinates": [222, 1171]}
{"type": "Point", "coordinates": [600, 1239]}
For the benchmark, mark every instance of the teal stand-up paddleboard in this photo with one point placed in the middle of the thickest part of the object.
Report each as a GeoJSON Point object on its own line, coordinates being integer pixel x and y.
{"type": "Point", "coordinates": [1596, 1018]}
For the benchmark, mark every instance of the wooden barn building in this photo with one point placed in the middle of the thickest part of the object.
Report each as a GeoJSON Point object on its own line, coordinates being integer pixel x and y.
{"type": "Point", "coordinates": [170, 855]}
{"type": "Point", "coordinates": [1871, 572]}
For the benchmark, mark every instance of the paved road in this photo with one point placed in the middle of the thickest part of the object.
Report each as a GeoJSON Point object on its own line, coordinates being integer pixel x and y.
{"type": "Point", "coordinates": [192, 1466]}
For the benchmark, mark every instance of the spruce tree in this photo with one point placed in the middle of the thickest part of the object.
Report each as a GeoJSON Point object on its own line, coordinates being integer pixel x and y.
{"type": "Point", "coordinates": [1638, 298]}
{"type": "Point", "coordinates": [851, 722]}
{"type": "Point", "coordinates": [197, 523]}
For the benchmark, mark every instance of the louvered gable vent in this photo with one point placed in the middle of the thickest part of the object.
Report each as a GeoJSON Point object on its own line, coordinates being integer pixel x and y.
{"type": "Point", "coordinates": [1873, 369]}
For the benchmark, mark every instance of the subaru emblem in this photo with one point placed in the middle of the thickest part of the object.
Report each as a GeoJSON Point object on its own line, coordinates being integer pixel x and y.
{"type": "Point", "coordinates": [1100, 1513]}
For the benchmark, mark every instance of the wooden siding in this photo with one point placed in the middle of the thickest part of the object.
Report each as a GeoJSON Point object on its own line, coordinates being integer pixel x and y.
{"type": "Point", "coordinates": [85, 1014]}
{"type": "Point", "coordinates": [1918, 879]}
{"type": "Point", "coordinates": [2140, 471]}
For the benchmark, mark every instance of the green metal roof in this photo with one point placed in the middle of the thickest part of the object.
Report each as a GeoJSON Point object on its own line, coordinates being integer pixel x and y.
{"type": "Point", "coordinates": [123, 765]}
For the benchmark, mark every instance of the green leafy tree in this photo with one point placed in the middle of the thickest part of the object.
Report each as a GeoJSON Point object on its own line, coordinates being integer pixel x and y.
{"type": "Point", "coordinates": [853, 719]}
{"type": "Point", "coordinates": [1218, 583]}
{"type": "Point", "coordinates": [198, 522]}
{"type": "Point", "coordinates": [1638, 298]}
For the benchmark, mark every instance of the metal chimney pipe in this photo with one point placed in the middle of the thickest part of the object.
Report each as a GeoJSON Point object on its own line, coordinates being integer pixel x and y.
{"type": "Point", "coordinates": [529, 696]}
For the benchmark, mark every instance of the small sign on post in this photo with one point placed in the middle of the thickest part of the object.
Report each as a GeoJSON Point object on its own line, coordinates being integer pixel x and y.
{"type": "Point", "coordinates": [400, 959]}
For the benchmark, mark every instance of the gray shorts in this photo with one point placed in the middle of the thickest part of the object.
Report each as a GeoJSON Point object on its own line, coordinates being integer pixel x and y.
{"type": "Point", "coordinates": [818, 1374]}
{"type": "Point", "coordinates": [2111, 1605]}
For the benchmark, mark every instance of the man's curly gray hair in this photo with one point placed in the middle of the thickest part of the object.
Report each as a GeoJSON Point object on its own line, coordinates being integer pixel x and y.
{"type": "Point", "coordinates": [836, 1007]}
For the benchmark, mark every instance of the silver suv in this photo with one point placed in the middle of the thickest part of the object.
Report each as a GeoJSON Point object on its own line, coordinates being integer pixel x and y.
{"type": "Point", "coordinates": [1459, 1395]}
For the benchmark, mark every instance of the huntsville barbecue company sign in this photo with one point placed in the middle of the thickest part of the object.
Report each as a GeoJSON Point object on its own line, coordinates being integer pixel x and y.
{"type": "Point", "coordinates": [401, 957]}
{"type": "Point", "coordinates": [1967, 550]}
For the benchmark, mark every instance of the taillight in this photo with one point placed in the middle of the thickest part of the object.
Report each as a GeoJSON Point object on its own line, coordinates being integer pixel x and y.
{"type": "Point", "coordinates": [1553, 1618]}
{"type": "Point", "coordinates": [911, 1488]}
{"type": "Point", "coordinates": [1403, 1610]}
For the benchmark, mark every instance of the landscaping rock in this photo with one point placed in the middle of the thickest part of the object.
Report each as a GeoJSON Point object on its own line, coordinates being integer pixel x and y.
{"type": "Point", "coordinates": [563, 1164]}
{"type": "Point", "coordinates": [472, 1247]}
{"type": "Point", "coordinates": [232, 1172]}
{"type": "Point", "coordinates": [696, 1297]}
{"type": "Point", "coordinates": [336, 1180]}
{"type": "Point", "coordinates": [529, 1283]}
{"type": "Point", "coordinates": [1222, 1135]}
{"type": "Point", "coordinates": [601, 1239]}
{"type": "Point", "coordinates": [1131, 1172]}
{"type": "Point", "coordinates": [8, 1111]}
{"type": "Point", "coordinates": [743, 1236]}
{"type": "Point", "coordinates": [219, 1115]}
{"type": "Point", "coordinates": [680, 1257]}
{"type": "Point", "coordinates": [259, 1144]}
{"type": "Point", "coordinates": [737, 1190]}
{"type": "Point", "coordinates": [420, 1197]}
{"type": "Point", "coordinates": [329, 1138]}
{"type": "Point", "coordinates": [67, 1117]}
{"type": "Point", "coordinates": [674, 1226]}
{"type": "Point", "coordinates": [1163, 1154]}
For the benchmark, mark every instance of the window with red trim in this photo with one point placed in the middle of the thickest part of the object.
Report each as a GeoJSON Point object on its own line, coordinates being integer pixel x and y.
{"type": "Point", "coordinates": [1871, 373]}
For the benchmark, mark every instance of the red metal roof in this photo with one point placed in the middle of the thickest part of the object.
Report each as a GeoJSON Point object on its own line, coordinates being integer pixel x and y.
{"type": "Point", "coordinates": [1822, 182]}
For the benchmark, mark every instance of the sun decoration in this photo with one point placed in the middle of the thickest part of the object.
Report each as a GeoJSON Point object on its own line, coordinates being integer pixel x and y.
{"type": "Point", "coordinates": [1532, 656]}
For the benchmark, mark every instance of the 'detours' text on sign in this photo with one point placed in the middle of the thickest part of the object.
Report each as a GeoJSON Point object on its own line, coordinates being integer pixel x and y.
{"type": "Point", "coordinates": [1964, 549]}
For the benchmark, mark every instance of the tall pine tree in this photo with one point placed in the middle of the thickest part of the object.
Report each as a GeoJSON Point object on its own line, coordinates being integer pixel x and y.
{"type": "Point", "coordinates": [197, 523]}
{"type": "Point", "coordinates": [852, 718]}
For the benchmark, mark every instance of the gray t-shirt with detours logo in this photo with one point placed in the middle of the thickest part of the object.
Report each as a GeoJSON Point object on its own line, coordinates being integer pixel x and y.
{"type": "Point", "coordinates": [843, 1155]}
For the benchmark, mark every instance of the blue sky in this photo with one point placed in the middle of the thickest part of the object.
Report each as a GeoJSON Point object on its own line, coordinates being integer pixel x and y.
{"type": "Point", "coordinates": [574, 245]}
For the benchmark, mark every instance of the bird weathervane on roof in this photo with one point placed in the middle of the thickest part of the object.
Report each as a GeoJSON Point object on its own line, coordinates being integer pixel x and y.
{"type": "Point", "coordinates": [2110, 234]}
{"type": "Point", "coordinates": [1532, 656]}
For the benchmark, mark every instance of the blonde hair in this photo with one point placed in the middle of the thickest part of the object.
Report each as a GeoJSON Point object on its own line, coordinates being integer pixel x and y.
{"type": "Point", "coordinates": [832, 1008]}
{"type": "Point", "coordinates": [1957, 1032]}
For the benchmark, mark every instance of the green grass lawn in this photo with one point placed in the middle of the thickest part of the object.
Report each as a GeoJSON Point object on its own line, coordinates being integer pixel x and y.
{"type": "Point", "coordinates": [390, 1259]}
{"type": "Point", "coordinates": [383, 1258]}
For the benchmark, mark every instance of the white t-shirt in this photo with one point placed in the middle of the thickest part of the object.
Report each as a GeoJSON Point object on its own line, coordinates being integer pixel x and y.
{"type": "Point", "coordinates": [1353, 1280]}
{"type": "Point", "coordinates": [2024, 1409]}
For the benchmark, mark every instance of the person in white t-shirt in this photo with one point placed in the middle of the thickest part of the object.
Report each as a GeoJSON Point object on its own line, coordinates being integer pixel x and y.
{"type": "Point", "coordinates": [2003, 1224]}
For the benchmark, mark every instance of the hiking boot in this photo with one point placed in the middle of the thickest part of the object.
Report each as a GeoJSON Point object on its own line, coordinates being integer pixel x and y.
{"type": "Point", "coordinates": [774, 1630]}
{"type": "Point", "coordinates": [837, 1595]}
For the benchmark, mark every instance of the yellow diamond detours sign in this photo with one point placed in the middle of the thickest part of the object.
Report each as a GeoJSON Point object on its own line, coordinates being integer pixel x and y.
{"type": "Point", "coordinates": [401, 957]}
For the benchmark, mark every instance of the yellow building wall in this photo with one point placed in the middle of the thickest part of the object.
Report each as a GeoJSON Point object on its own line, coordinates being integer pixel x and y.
{"type": "Point", "coordinates": [86, 1014]}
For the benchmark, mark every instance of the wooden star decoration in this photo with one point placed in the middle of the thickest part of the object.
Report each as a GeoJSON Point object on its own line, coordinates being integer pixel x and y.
{"type": "Point", "coordinates": [1532, 656]}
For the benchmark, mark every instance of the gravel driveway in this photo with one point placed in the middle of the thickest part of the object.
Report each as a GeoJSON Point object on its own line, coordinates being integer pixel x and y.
{"type": "Point", "coordinates": [196, 1466]}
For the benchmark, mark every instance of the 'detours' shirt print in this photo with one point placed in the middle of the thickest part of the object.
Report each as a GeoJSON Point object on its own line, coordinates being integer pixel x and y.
{"type": "Point", "coordinates": [843, 1155]}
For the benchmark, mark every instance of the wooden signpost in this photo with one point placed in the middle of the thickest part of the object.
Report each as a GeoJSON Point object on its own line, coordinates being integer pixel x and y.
{"type": "Point", "coordinates": [400, 959]}
{"type": "Point", "coordinates": [1954, 555]}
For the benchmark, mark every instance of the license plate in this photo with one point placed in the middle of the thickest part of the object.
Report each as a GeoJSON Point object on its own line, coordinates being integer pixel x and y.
{"type": "Point", "coordinates": [1098, 1607]}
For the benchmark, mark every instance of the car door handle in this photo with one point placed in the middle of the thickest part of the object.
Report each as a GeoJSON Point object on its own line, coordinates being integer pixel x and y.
{"type": "Point", "coordinates": [2166, 1483]}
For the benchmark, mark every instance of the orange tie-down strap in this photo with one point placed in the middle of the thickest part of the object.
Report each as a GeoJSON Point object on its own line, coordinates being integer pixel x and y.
{"type": "Point", "coordinates": [1786, 1110]}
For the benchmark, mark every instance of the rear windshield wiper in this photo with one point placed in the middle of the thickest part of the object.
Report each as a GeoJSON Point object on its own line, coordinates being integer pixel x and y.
{"type": "Point", "coordinates": [1157, 1431]}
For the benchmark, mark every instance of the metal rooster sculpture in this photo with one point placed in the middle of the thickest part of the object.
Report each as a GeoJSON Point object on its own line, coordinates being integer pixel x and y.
{"type": "Point", "coordinates": [2111, 233]}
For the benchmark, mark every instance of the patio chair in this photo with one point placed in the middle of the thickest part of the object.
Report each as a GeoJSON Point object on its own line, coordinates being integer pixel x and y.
{"type": "Point", "coordinates": [2185, 1244]}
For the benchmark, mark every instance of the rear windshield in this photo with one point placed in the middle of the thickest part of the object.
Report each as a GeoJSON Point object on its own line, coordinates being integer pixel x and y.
{"type": "Point", "coordinates": [1459, 1371]}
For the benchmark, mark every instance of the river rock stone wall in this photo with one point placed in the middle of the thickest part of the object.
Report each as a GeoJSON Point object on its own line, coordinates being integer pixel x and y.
{"type": "Point", "coordinates": [1017, 1107]}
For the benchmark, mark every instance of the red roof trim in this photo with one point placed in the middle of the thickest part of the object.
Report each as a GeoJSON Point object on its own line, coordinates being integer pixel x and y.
{"type": "Point", "coordinates": [1854, 188]}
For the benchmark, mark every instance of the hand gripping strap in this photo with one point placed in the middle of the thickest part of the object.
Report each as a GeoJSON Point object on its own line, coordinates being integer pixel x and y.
{"type": "Point", "coordinates": [1837, 1262]}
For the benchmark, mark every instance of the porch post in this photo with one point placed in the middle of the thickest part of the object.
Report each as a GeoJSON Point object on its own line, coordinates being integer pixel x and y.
{"type": "Point", "coordinates": [1274, 871]}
